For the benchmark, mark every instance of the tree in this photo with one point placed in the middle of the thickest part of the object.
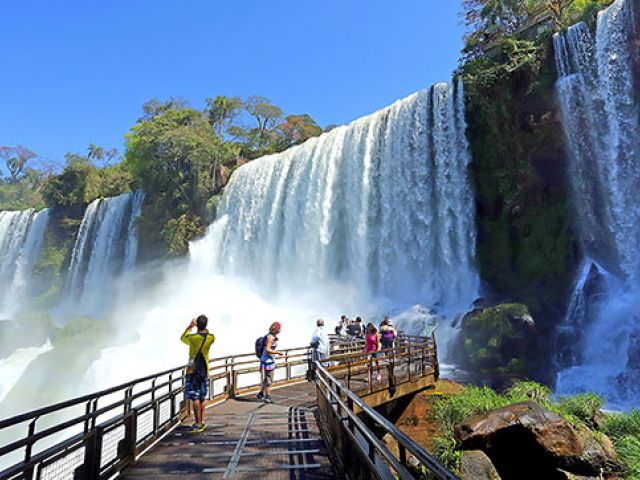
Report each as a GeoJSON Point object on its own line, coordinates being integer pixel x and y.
{"type": "Point", "coordinates": [16, 159]}
{"type": "Point", "coordinates": [156, 107]}
{"type": "Point", "coordinates": [297, 129]}
{"type": "Point", "coordinates": [266, 114]}
{"type": "Point", "coordinates": [173, 157]}
{"type": "Point", "coordinates": [221, 111]}
{"type": "Point", "coordinates": [100, 156]}
{"type": "Point", "coordinates": [95, 152]}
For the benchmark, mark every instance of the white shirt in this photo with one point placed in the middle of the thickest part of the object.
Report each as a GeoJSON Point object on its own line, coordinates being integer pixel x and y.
{"type": "Point", "coordinates": [322, 338]}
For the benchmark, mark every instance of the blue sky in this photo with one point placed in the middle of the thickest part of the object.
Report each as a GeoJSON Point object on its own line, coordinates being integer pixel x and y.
{"type": "Point", "coordinates": [76, 72]}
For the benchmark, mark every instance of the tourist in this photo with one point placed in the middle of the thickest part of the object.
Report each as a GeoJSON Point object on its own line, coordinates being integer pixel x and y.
{"type": "Point", "coordinates": [268, 361]}
{"type": "Point", "coordinates": [353, 330]}
{"type": "Point", "coordinates": [372, 346]}
{"type": "Point", "coordinates": [360, 328]}
{"type": "Point", "coordinates": [344, 322]}
{"type": "Point", "coordinates": [197, 375]}
{"type": "Point", "coordinates": [387, 333]}
{"type": "Point", "coordinates": [319, 342]}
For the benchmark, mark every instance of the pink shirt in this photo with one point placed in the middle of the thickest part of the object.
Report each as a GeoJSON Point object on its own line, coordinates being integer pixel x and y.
{"type": "Point", "coordinates": [372, 343]}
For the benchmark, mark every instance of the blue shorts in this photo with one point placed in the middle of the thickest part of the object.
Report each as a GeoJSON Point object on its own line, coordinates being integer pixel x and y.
{"type": "Point", "coordinates": [196, 388]}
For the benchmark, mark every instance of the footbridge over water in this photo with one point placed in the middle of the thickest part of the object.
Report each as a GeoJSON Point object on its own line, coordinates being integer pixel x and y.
{"type": "Point", "coordinates": [322, 425]}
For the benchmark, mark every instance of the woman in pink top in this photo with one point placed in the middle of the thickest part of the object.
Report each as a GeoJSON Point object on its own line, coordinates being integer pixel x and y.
{"type": "Point", "coordinates": [372, 345]}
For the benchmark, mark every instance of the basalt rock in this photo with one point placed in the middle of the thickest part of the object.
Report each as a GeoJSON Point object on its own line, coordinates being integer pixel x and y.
{"type": "Point", "coordinates": [475, 465]}
{"type": "Point", "coordinates": [528, 441]}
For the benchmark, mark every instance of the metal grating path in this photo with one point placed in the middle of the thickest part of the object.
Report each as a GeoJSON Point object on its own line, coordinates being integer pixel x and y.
{"type": "Point", "coordinates": [245, 439]}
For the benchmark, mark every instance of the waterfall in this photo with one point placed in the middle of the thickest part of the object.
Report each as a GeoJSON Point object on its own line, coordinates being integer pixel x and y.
{"type": "Point", "coordinates": [600, 118]}
{"type": "Point", "coordinates": [12, 367]}
{"type": "Point", "coordinates": [383, 205]}
{"type": "Point", "coordinates": [105, 247]}
{"type": "Point", "coordinates": [21, 238]}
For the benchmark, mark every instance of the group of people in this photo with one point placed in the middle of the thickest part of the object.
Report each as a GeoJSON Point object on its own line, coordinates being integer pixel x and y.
{"type": "Point", "coordinates": [353, 328]}
{"type": "Point", "coordinates": [196, 381]}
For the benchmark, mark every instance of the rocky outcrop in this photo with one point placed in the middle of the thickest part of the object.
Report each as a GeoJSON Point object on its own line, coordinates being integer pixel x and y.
{"type": "Point", "coordinates": [527, 440]}
{"type": "Point", "coordinates": [497, 342]}
{"type": "Point", "coordinates": [475, 465]}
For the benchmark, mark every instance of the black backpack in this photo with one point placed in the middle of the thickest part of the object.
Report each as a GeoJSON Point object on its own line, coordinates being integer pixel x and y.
{"type": "Point", "coordinates": [261, 343]}
{"type": "Point", "coordinates": [200, 370]}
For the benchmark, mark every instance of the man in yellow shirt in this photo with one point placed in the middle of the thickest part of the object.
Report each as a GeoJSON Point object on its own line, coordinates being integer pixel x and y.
{"type": "Point", "coordinates": [197, 378]}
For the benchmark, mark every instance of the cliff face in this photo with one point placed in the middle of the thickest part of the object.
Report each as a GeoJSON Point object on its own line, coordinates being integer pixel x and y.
{"type": "Point", "coordinates": [526, 248]}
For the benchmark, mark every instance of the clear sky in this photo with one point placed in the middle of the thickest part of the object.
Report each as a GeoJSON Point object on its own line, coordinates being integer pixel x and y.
{"type": "Point", "coordinates": [75, 72]}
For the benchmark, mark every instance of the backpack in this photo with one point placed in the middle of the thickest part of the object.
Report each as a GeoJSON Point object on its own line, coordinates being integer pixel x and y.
{"type": "Point", "coordinates": [261, 343]}
{"type": "Point", "coordinates": [200, 370]}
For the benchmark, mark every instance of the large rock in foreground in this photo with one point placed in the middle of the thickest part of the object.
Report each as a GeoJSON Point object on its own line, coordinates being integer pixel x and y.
{"type": "Point", "coordinates": [528, 441]}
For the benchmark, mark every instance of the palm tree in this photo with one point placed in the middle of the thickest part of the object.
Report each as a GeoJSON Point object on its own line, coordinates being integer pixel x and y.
{"type": "Point", "coordinates": [96, 153]}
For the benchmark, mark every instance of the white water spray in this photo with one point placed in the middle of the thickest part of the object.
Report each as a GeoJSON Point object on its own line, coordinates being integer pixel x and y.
{"type": "Point", "coordinates": [371, 217]}
{"type": "Point", "coordinates": [600, 117]}
{"type": "Point", "coordinates": [21, 239]}
{"type": "Point", "coordinates": [106, 247]}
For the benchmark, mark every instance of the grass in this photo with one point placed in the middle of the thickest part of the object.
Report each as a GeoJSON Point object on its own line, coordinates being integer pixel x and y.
{"type": "Point", "coordinates": [580, 410]}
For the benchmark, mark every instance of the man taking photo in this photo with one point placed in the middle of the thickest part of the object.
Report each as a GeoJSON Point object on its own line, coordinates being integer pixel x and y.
{"type": "Point", "coordinates": [197, 378]}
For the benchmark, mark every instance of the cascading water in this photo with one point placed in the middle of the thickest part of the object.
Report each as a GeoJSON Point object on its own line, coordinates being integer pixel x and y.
{"type": "Point", "coordinates": [105, 247]}
{"type": "Point", "coordinates": [21, 238]}
{"type": "Point", "coordinates": [600, 117]}
{"type": "Point", "coordinates": [370, 218]}
{"type": "Point", "coordinates": [383, 205]}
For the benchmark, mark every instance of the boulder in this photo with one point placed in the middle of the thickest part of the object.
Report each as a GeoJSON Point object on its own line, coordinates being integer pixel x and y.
{"type": "Point", "coordinates": [498, 342]}
{"type": "Point", "coordinates": [527, 440]}
{"type": "Point", "coordinates": [475, 465]}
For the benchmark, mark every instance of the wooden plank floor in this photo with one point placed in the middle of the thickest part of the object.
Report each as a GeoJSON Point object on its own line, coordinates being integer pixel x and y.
{"type": "Point", "coordinates": [245, 439]}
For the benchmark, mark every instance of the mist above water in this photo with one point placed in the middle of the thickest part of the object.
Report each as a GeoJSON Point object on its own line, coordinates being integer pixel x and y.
{"type": "Point", "coordinates": [600, 118]}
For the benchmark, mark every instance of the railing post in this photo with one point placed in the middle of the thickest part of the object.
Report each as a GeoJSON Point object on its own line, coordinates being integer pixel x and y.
{"type": "Point", "coordinates": [28, 472]}
{"type": "Point", "coordinates": [402, 454]}
{"type": "Point", "coordinates": [288, 367]}
{"type": "Point", "coordinates": [93, 455]}
{"type": "Point", "coordinates": [436, 366]}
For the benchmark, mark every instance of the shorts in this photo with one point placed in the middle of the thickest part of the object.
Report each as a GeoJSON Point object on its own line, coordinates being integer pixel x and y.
{"type": "Point", "coordinates": [374, 354]}
{"type": "Point", "coordinates": [267, 376]}
{"type": "Point", "coordinates": [196, 388]}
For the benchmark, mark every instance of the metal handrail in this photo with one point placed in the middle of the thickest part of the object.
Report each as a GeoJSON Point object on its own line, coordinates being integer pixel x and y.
{"type": "Point", "coordinates": [431, 464]}
{"type": "Point", "coordinates": [166, 388]}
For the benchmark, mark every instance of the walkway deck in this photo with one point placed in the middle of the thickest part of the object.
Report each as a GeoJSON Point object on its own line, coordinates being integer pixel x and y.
{"type": "Point", "coordinates": [245, 439]}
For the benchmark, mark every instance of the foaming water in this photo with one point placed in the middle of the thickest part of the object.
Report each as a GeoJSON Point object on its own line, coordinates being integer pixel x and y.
{"type": "Point", "coordinates": [383, 205]}
{"type": "Point", "coordinates": [370, 218]}
{"type": "Point", "coordinates": [106, 247]}
{"type": "Point", "coordinates": [12, 367]}
{"type": "Point", "coordinates": [21, 238]}
{"type": "Point", "coordinates": [600, 119]}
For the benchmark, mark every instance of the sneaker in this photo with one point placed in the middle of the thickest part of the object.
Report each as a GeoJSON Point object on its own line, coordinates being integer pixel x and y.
{"type": "Point", "coordinates": [267, 399]}
{"type": "Point", "coordinates": [379, 377]}
{"type": "Point", "coordinates": [260, 396]}
{"type": "Point", "coordinates": [201, 428]}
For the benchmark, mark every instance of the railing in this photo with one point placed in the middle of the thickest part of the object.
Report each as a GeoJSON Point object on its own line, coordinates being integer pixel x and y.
{"type": "Point", "coordinates": [97, 436]}
{"type": "Point", "coordinates": [94, 436]}
{"type": "Point", "coordinates": [360, 452]}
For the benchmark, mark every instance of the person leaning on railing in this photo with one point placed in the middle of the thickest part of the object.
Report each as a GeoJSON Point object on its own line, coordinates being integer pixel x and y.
{"type": "Point", "coordinates": [196, 381]}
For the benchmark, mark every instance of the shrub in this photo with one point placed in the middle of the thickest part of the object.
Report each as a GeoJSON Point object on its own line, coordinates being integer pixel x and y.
{"type": "Point", "coordinates": [523, 391]}
{"type": "Point", "coordinates": [580, 408]}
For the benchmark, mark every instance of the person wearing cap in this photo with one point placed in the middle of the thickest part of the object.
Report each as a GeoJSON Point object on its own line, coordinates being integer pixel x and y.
{"type": "Point", "coordinates": [268, 362]}
{"type": "Point", "coordinates": [319, 342]}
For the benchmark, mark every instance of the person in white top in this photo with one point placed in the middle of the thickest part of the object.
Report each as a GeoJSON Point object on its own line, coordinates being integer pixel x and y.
{"type": "Point", "coordinates": [320, 342]}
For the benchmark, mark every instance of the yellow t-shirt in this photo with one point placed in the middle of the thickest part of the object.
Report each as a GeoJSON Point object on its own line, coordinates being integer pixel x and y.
{"type": "Point", "coordinates": [194, 341]}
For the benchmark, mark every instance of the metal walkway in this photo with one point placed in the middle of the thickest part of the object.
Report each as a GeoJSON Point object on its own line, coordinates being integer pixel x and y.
{"type": "Point", "coordinates": [321, 426]}
{"type": "Point", "coordinates": [245, 439]}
